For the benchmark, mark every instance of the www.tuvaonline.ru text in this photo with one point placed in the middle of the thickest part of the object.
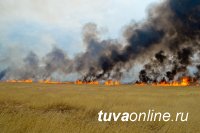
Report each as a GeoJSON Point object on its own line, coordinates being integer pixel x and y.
{"type": "Point", "coordinates": [148, 116]}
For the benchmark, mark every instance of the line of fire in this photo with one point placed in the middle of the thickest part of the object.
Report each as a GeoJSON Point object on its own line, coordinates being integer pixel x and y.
{"type": "Point", "coordinates": [184, 81]}
{"type": "Point", "coordinates": [161, 50]}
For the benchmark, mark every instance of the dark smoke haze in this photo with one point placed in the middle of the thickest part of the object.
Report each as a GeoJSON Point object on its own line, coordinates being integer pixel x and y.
{"type": "Point", "coordinates": [167, 43]}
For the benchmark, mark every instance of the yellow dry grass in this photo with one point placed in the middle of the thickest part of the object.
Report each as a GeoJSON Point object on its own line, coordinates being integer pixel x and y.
{"type": "Point", "coordinates": [49, 108]}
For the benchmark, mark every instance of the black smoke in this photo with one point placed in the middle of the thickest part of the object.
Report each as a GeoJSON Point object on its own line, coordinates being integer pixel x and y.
{"type": "Point", "coordinates": [174, 26]}
{"type": "Point", "coordinates": [167, 42]}
{"type": "Point", "coordinates": [3, 73]}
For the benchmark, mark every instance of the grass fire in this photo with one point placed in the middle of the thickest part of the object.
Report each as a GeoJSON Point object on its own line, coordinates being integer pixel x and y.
{"type": "Point", "coordinates": [184, 81]}
{"type": "Point", "coordinates": [164, 45]}
{"type": "Point", "coordinates": [59, 77]}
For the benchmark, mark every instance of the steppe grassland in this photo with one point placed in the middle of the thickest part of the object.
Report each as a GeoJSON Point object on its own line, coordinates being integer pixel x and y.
{"type": "Point", "coordinates": [60, 108]}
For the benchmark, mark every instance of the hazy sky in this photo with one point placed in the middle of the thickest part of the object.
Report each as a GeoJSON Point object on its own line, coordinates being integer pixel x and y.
{"type": "Point", "coordinates": [40, 24]}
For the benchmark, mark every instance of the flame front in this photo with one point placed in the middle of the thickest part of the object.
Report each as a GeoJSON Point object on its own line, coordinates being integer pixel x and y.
{"type": "Point", "coordinates": [186, 81]}
{"type": "Point", "coordinates": [20, 81]}
{"type": "Point", "coordinates": [79, 82]}
{"type": "Point", "coordinates": [111, 82]}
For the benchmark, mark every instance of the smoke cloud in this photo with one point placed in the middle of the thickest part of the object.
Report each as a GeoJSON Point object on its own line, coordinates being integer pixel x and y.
{"type": "Point", "coordinates": [168, 41]}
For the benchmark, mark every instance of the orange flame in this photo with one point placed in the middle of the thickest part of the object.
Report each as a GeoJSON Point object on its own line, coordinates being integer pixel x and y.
{"type": "Point", "coordinates": [79, 82]}
{"type": "Point", "coordinates": [53, 82]}
{"type": "Point", "coordinates": [20, 81]}
{"type": "Point", "coordinates": [184, 82]}
{"type": "Point", "coordinates": [49, 82]}
{"type": "Point", "coordinates": [110, 82]}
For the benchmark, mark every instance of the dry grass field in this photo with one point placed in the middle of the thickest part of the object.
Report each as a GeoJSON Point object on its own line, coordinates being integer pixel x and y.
{"type": "Point", "coordinates": [51, 108]}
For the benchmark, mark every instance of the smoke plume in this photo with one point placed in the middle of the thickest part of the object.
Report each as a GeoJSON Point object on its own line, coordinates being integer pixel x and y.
{"type": "Point", "coordinates": [167, 42]}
